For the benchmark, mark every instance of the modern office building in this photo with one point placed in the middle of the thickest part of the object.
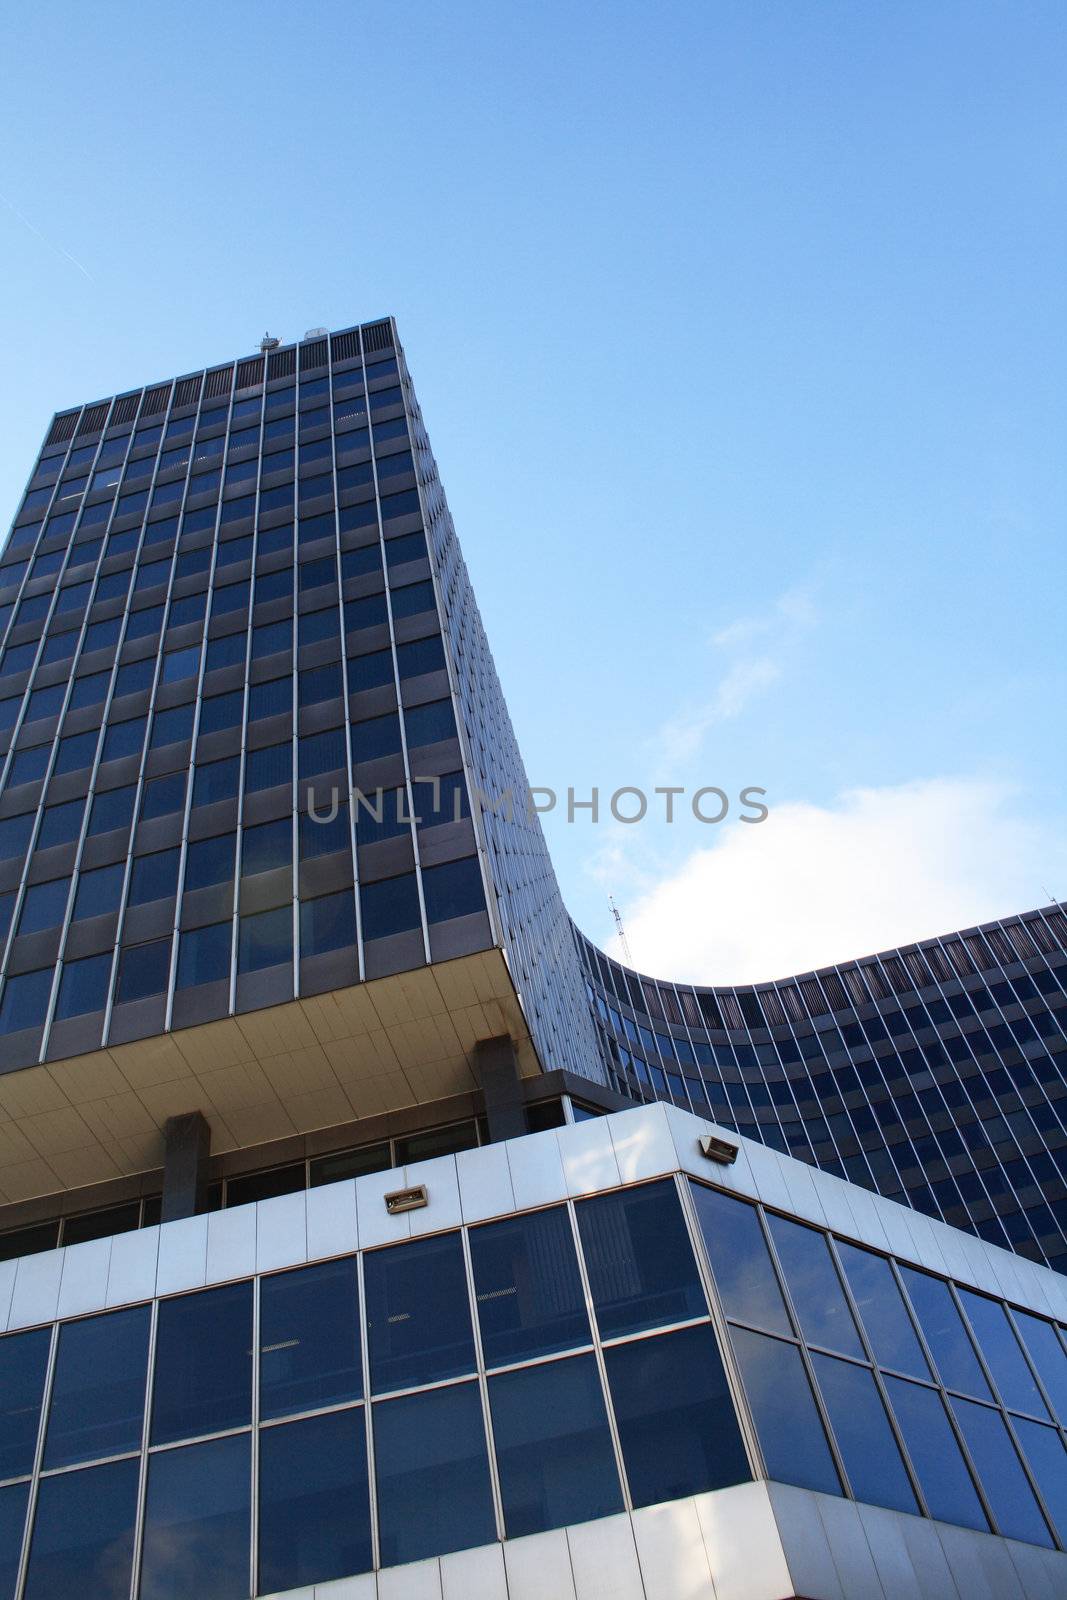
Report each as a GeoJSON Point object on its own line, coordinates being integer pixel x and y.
{"type": "Point", "coordinates": [337, 1258]}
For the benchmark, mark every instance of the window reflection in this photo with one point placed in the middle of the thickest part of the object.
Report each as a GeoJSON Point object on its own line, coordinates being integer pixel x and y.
{"type": "Point", "coordinates": [527, 1286]}
{"type": "Point", "coordinates": [639, 1259]}
{"type": "Point", "coordinates": [198, 1522]}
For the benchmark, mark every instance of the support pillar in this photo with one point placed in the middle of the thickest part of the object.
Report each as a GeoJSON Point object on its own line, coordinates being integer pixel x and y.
{"type": "Point", "coordinates": [187, 1144]}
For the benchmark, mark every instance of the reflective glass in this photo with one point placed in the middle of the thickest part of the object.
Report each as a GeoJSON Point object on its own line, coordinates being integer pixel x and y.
{"type": "Point", "coordinates": [144, 970]}
{"type": "Point", "coordinates": [1044, 1451]}
{"type": "Point", "coordinates": [787, 1420]}
{"type": "Point", "coordinates": [1000, 1472]}
{"type": "Point", "coordinates": [1003, 1356]}
{"type": "Point", "coordinates": [82, 1542]}
{"type": "Point", "coordinates": [945, 1333]}
{"type": "Point", "coordinates": [23, 1359]}
{"type": "Point", "coordinates": [266, 768]}
{"type": "Point", "coordinates": [98, 1391]}
{"type": "Point", "coordinates": [641, 1267]}
{"type": "Point", "coordinates": [882, 1309]}
{"type": "Point", "coordinates": [423, 1442]}
{"type": "Point", "coordinates": [112, 809]}
{"type": "Point", "coordinates": [265, 940]}
{"type": "Point", "coordinates": [309, 1338]}
{"type": "Point", "coordinates": [204, 954]}
{"type": "Point", "coordinates": [83, 986]}
{"type": "Point", "coordinates": [25, 1000]}
{"type": "Point", "coordinates": [864, 1437]}
{"type": "Point", "coordinates": [328, 923]}
{"type": "Point", "coordinates": [314, 1502]}
{"type": "Point", "coordinates": [163, 796]}
{"type": "Point", "coordinates": [676, 1420]}
{"type": "Point", "coordinates": [527, 1287]}
{"type": "Point", "coordinates": [197, 1525]}
{"type": "Point", "coordinates": [814, 1286]}
{"type": "Point", "coordinates": [203, 1369]}
{"type": "Point", "coordinates": [553, 1446]}
{"type": "Point", "coordinates": [935, 1455]}
{"type": "Point", "coordinates": [418, 1313]}
{"type": "Point", "coordinates": [12, 1522]}
{"type": "Point", "coordinates": [44, 905]}
{"type": "Point", "coordinates": [747, 1283]}
{"type": "Point", "coordinates": [1047, 1354]}
{"type": "Point", "coordinates": [210, 860]}
{"type": "Point", "coordinates": [216, 780]}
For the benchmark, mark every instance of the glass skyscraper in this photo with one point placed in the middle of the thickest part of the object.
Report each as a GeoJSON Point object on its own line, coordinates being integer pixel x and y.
{"type": "Point", "coordinates": [334, 1239]}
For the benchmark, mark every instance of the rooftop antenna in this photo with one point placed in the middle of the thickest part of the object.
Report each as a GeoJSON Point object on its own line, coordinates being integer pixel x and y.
{"type": "Point", "coordinates": [620, 930]}
{"type": "Point", "coordinates": [268, 342]}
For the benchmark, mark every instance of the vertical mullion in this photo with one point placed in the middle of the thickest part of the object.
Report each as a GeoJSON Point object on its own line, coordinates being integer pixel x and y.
{"type": "Point", "coordinates": [38, 1457]}
{"type": "Point", "coordinates": [483, 1387]}
{"type": "Point", "coordinates": [598, 1356]}
{"type": "Point", "coordinates": [368, 1420]}
{"type": "Point", "coordinates": [146, 1434]}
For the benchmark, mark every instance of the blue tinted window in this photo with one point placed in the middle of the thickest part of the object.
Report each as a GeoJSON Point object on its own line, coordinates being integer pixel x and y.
{"type": "Point", "coordinates": [161, 797]}
{"type": "Point", "coordinates": [266, 768]}
{"type": "Point", "coordinates": [409, 547]}
{"type": "Point", "coordinates": [265, 940]}
{"type": "Point", "coordinates": [748, 1285]}
{"type": "Point", "coordinates": [98, 1391]}
{"type": "Point", "coordinates": [814, 1286]}
{"type": "Point", "coordinates": [44, 905]}
{"type": "Point", "coordinates": [112, 810]}
{"type": "Point", "coordinates": [945, 1333]}
{"type": "Point", "coordinates": [77, 751]}
{"type": "Point", "coordinates": [430, 723]}
{"type": "Point", "coordinates": [203, 1376]}
{"type": "Point", "coordinates": [383, 814]}
{"type": "Point", "coordinates": [314, 1506]}
{"type": "Point", "coordinates": [318, 625]}
{"type": "Point", "coordinates": [1004, 1358]}
{"type": "Point", "coordinates": [29, 765]}
{"type": "Point", "coordinates": [423, 655]}
{"type": "Point", "coordinates": [676, 1420]}
{"type": "Point", "coordinates": [935, 1455]}
{"type": "Point", "coordinates": [204, 954]}
{"type": "Point", "coordinates": [82, 1541]}
{"type": "Point", "coordinates": [1046, 1352]}
{"type": "Point", "coordinates": [319, 683]}
{"type": "Point", "coordinates": [198, 1523]}
{"type": "Point", "coordinates": [553, 1446]}
{"type": "Point", "coordinates": [369, 671]}
{"type": "Point", "coordinates": [154, 877]}
{"type": "Point", "coordinates": [418, 1314]}
{"type": "Point", "coordinates": [144, 970]}
{"type": "Point", "coordinates": [787, 1420]}
{"type": "Point", "coordinates": [1047, 1458]}
{"type": "Point", "coordinates": [527, 1286]}
{"type": "Point", "coordinates": [313, 573]}
{"type": "Point", "coordinates": [309, 1338]}
{"type": "Point", "coordinates": [274, 585]}
{"type": "Point", "coordinates": [221, 711]}
{"type": "Point", "coordinates": [45, 702]}
{"type": "Point", "coordinates": [328, 923]}
{"type": "Point", "coordinates": [422, 1442]}
{"type": "Point", "coordinates": [99, 891]}
{"type": "Point", "coordinates": [864, 1437]}
{"type": "Point", "coordinates": [453, 889]}
{"type": "Point", "coordinates": [358, 563]}
{"type": "Point", "coordinates": [412, 598]}
{"type": "Point", "coordinates": [25, 1001]}
{"type": "Point", "coordinates": [83, 986]}
{"type": "Point", "coordinates": [882, 1309]}
{"type": "Point", "coordinates": [639, 1259]}
{"type": "Point", "coordinates": [1001, 1473]}
{"type": "Point", "coordinates": [23, 1360]}
{"type": "Point", "coordinates": [121, 739]}
{"type": "Point", "coordinates": [380, 736]}
{"type": "Point", "coordinates": [216, 780]}
{"type": "Point", "coordinates": [322, 752]}
{"type": "Point", "coordinates": [89, 691]}
{"type": "Point", "coordinates": [266, 846]}
{"type": "Point", "coordinates": [390, 906]}
{"type": "Point", "coordinates": [325, 832]}
{"type": "Point", "coordinates": [366, 613]}
{"type": "Point", "coordinates": [229, 651]}
{"type": "Point", "coordinates": [189, 609]}
{"type": "Point", "coordinates": [271, 698]}
{"type": "Point", "coordinates": [15, 836]}
{"type": "Point", "coordinates": [13, 1501]}
{"type": "Point", "coordinates": [142, 623]}
{"type": "Point", "coordinates": [135, 676]}
{"type": "Point", "coordinates": [209, 861]}
{"type": "Point", "coordinates": [271, 637]}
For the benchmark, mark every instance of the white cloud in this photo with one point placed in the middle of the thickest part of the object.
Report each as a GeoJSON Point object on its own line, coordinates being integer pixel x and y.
{"type": "Point", "coordinates": [755, 648]}
{"type": "Point", "coordinates": [814, 884]}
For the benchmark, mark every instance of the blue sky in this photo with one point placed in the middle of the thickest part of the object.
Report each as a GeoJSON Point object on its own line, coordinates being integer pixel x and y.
{"type": "Point", "coordinates": [739, 331]}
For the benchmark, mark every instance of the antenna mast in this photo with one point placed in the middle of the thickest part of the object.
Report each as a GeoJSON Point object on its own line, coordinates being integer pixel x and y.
{"type": "Point", "coordinates": [620, 930]}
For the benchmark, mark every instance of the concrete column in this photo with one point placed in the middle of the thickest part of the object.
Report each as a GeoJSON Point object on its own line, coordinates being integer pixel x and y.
{"type": "Point", "coordinates": [497, 1069]}
{"type": "Point", "coordinates": [187, 1144]}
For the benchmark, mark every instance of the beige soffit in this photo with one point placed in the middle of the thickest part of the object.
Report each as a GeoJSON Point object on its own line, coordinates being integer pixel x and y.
{"type": "Point", "coordinates": [356, 1052]}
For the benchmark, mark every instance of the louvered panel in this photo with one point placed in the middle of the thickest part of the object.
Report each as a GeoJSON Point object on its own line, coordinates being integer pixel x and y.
{"type": "Point", "coordinates": [219, 383]}
{"type": "Point", "coordinates": [155, 400]}
{"type": "Point", "coordinates": [62, 428]}
{"type": "Point", "coordinates": [378, 336]}
{"type": "Point", "coordinates": [313, 355]}
{"type": "Point", "coordinates": [93, 418]}
{"type": "Point", "coordinates": [281, 363]}
{"type": "Point", "coordinates": [187, 392]}
{"type": "Point", "coordinates": [345, 345]}
{"type": "Point", "coordinates": [250, 372]}
{"type": "Point", "coordinates": [125, 409]}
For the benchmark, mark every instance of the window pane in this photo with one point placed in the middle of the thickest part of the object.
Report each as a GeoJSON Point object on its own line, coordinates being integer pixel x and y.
{"type": "Point", "coordinates": [418, 1313]}
{"type": "Point", "coordinates": [453, 890]}
{"type": "Point", "coordinates": [23, 1359]}
{"type": "Point", "coordinates": [945, 1333]}
{"type": "Point", "coordinates": [211, 860]}
{"type": "Point", "coordinates": [391, 906]}
{"type": "Point", "coordinates": [528, 1289]}
{"type": "Point", "coordinates": [204, 954]}
{"type": "Point", "coordinates": [217, 780]}
{"type": "Point", "coordinates": [640, 1263]}
{"type": "Point", "coordinates": [154, 877]}
{"type": "Point", "coordinates": [677, 1423]}
{"type": "Point", "coordinates": [144, 970]}
{"type": "Point", "coordinates": [882, 1309]}
{"type": "Point", "coordinates": [267, 846]}
{"type": "Point", "coordinates": [197, 1523]}
{"type": "Point", "coordinates": [314, 1503]}
{"type": "Point", "coordinates": [309, 1339]}
{"type": "Point", "coordinates": [83, 986]}
{"type": "Point", "coordinates": [935, 1455]}
{"type": "Point", "coordinates": [25, 1001]}
{"type": "Point", "coordinates": [82, 1540]}
{"type": "Point", "coordinates": [328, 923]}
{"type": "Point", "coordinates": [1046, 1352]}
{"type": "Point", "coordinates": [265, 940]}
{"type": "Point", "coordinates": [422, 1442]}
{"type": "Point", "coordinates": [1004, 1358]}
{"type": "Point", "coordinates": [553, 1446]}
{"type": "Point", "coordinates": [812, 1280]}
{"type": "Point", "coordinates": [266, 768]}
{"type": "Point", "coordinates": [112, 809]}
{"type": "Point", "coordinates": [864, 1437]}
{"type": "Point", "coordinates": [98, 1392]}
{"type": "Point", "coordinates": [203, 1380]}
{"type": "Point", "coordinates": [787, 1421]}
{"type": "Point", "coordinates": [44, 905]}
{"type": "Point", "coordinates": [162, 796]}
{"type": "Point", "coordinates": [1044, 1450]}
{"type": "Point", "coordinates": [12, 1521]}
{"type": "Point", "coordinates": [747, 1282]}
{"type": "Point", "coordinates": [1001, 1474]}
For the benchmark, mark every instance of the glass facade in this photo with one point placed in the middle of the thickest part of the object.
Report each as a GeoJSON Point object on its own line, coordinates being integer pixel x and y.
{"type": "Point", "coordinates": [285, 1430]}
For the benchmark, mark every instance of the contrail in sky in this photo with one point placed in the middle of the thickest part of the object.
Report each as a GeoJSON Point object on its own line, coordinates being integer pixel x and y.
{"type": "Point", "coordinates": [57, 248]}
